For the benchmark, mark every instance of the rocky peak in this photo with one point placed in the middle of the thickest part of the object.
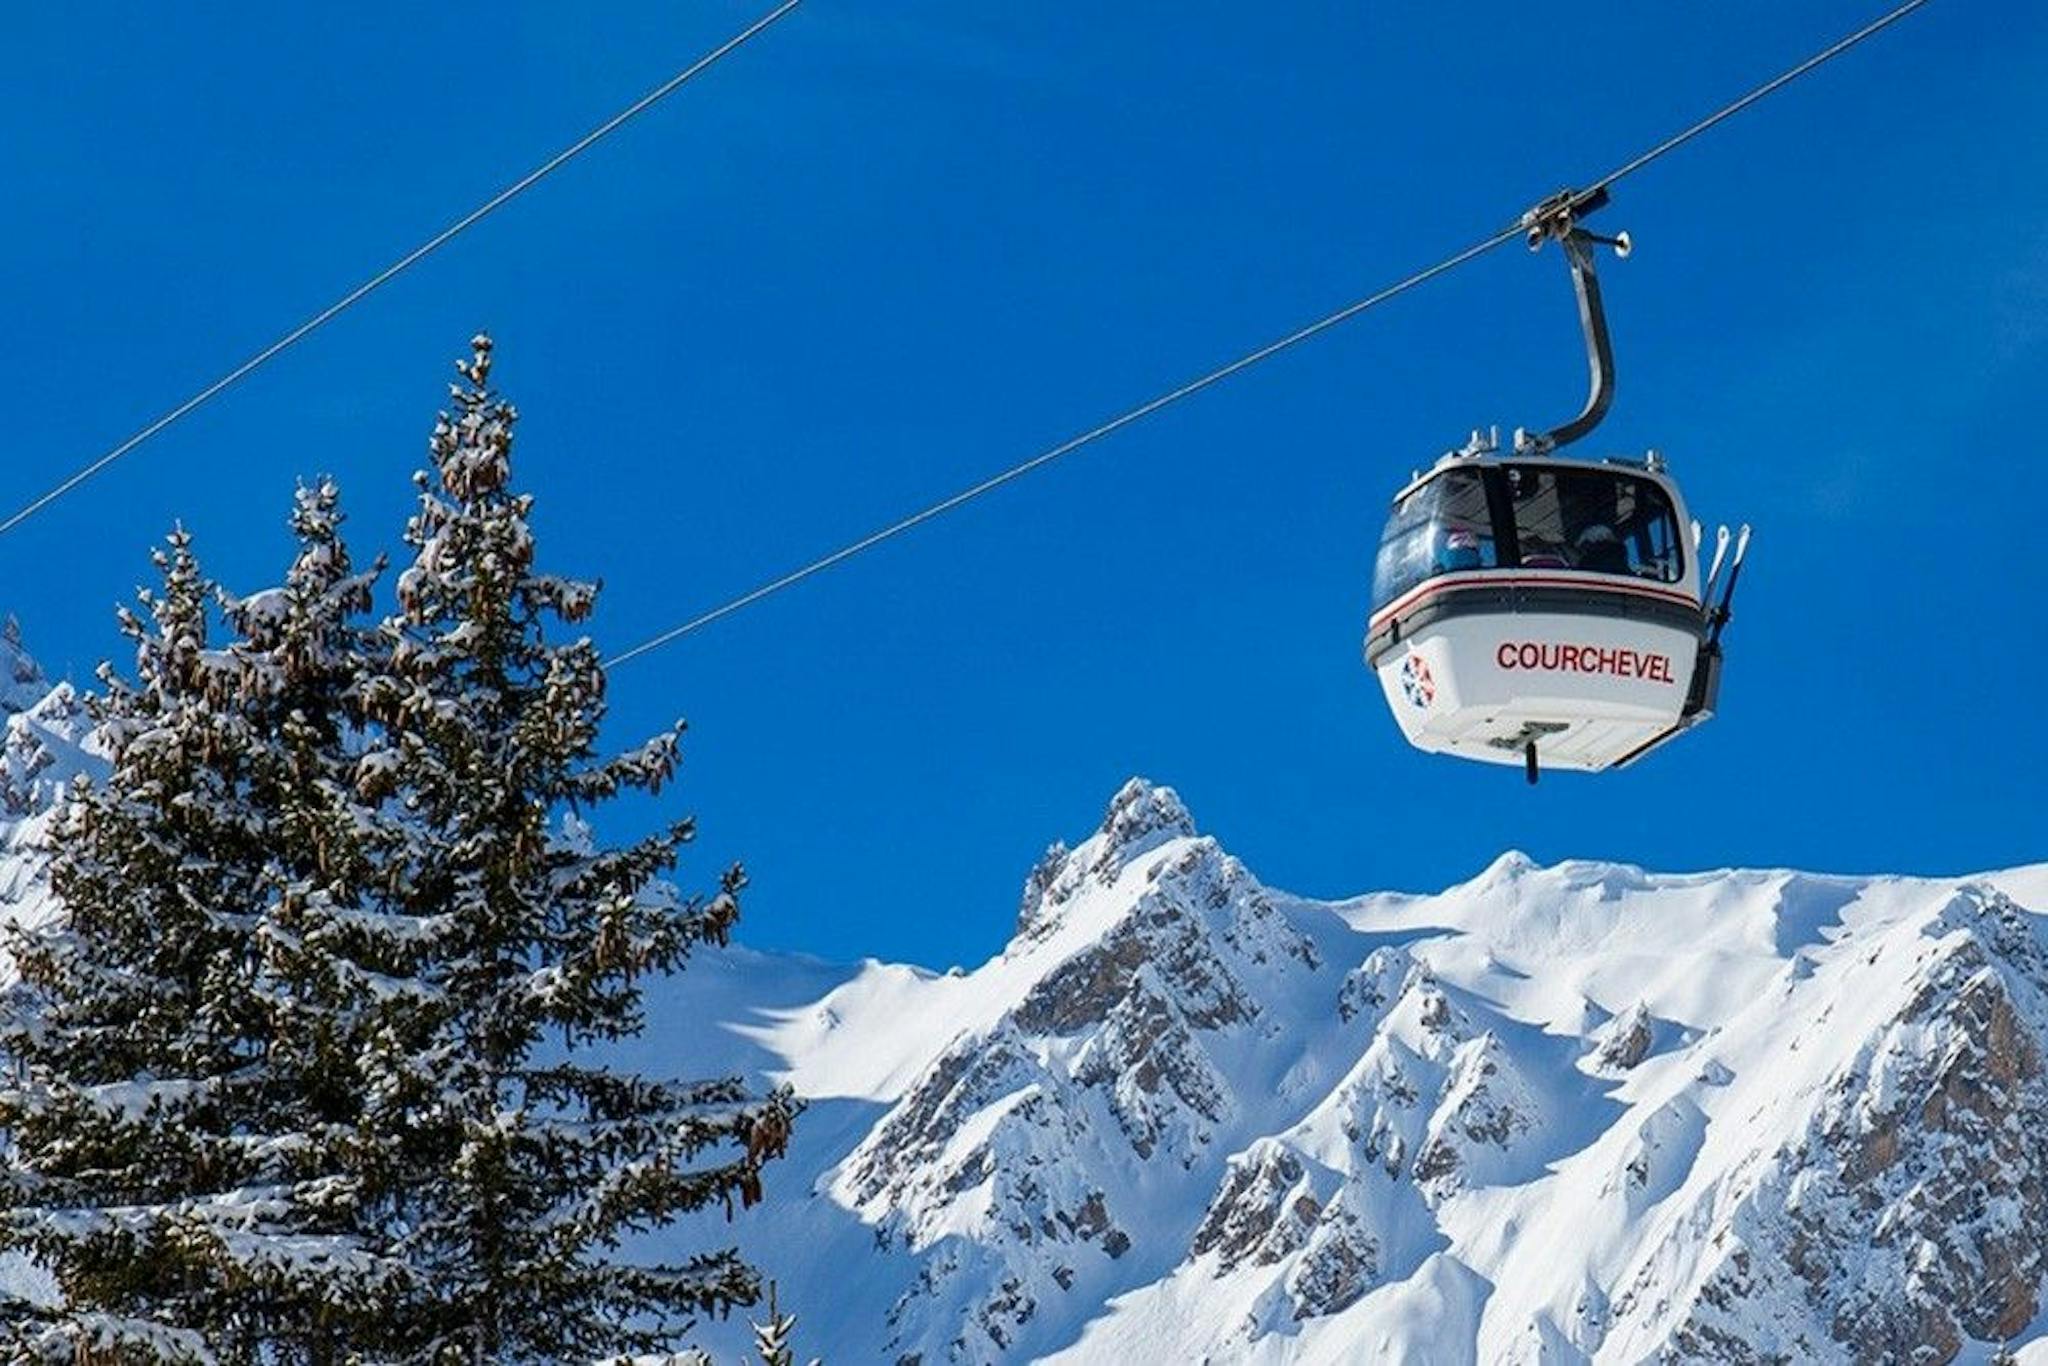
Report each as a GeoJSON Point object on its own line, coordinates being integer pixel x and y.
{"type": "Point", "coordinates": [22, 683]}
{"type": "Point", "coordinates": [46, 733]}
{"type": "Point", "coordinates": [1198, 923]}
{"type": "Point", "coordinates": [1142, 818]}
{"type": "Point", "coordinates": [1387, 973]}
{"type": "Point", "coordinates": [1145, 976]}
{"type": "Point", "coordinates": [1264, 1210]}
{"type": "Point", "coordinates": [1485, 1110]}
{"type": "Point", "coordinates": [1624, 1041]}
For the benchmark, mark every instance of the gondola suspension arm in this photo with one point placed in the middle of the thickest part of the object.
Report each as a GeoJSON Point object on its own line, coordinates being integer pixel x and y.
{"type": "Point", "coordinates": [1557, 218]}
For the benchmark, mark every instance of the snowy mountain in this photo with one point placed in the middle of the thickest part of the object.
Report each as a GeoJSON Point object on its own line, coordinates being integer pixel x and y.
{"type": "Point", "coordinates": [46, 739]}
{"type": "Point", "coordinates": [1567, 1114]}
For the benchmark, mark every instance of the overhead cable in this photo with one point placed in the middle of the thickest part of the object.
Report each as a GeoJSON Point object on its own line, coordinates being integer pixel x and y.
{"type": "Point", "coordinates": [405, 262]}
{"type": "Point", "coordinates": [1172, 396]}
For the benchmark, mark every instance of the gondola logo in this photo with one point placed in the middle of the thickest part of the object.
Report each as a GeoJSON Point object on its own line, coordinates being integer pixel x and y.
{"type": "Point", "coordinates": [1416, 682]}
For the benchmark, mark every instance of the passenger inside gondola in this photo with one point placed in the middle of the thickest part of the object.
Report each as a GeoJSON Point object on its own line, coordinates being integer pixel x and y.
{"type": "Point", "coordinates": [1593, 520]}
{"type": "Point", "coordinates": [1601, 551]}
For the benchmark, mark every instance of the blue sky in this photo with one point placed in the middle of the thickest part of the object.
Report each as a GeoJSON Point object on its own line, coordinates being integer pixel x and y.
{"type": "Point", "coordinates": [888, 250]}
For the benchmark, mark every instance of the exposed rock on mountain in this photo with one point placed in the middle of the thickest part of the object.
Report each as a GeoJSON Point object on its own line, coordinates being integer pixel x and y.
{"type": "Point", "coordinates": [47, 741]}
{"type": "Point", "coordinates": [1018, 1156]}
{"type": "Point", "coordinates": [1580, 1113]}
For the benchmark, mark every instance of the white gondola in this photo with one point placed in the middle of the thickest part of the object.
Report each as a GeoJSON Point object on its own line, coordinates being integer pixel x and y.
{"type": "Point", "coordinates": [1529, 609]}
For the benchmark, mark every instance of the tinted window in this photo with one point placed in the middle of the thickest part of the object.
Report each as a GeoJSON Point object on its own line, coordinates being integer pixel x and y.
{"type": "Point", "coordinates": [1439, 528]}
{"type": "Point", "coordinates": [1593, 520]}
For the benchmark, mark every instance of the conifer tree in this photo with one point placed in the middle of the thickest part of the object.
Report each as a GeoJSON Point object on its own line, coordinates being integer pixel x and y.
{"type": "Point", "coordinates": [321, 951]}
{"type": "Point", "coordinates": [181, 1125]}
{"type": "Point", "coordinates": [142, 1114]}
{"type": "Point", "coordinates": [306, 1073]}
{"type": "Point", "coordinates": [515, 1159]}
{"type": "Point", "coordinates": [773, 1340]}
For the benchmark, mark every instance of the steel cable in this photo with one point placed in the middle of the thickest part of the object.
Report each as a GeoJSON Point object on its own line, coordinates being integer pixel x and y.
{"type": "Point", "coordinates": [1246, 361]}
{"type": "Point", "coordinates": [411, 258]}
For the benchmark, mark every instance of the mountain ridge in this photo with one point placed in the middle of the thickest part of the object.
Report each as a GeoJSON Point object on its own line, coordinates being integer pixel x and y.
{"type": "Point", "coordinates": [1575, 1113]}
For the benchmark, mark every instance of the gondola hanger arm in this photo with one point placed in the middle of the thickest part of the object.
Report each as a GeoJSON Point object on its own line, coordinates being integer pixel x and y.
{"type": "Point", "coordinates": [1557, 218]}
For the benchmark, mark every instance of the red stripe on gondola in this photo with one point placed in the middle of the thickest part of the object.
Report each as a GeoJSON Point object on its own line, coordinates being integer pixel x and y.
{"type": "Point", "coordinates": [1497, 579]}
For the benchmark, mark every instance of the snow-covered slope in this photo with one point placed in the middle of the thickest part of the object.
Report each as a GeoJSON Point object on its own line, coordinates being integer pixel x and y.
{"type": "Point", "coordinates": [1579, 1113]}
{"type": "Point", "coordinates": [46, 739]}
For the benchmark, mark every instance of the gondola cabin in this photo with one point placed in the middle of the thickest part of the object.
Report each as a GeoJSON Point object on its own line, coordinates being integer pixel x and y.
{"type": "Point", "coordinates": [1532, 608]}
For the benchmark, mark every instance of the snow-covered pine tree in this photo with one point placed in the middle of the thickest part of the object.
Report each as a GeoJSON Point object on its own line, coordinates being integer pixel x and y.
{"type": "Point", "coordinates": [517, 1159]}
{"type": "Point", "coordinates": [182, 1118]}
{"type": "Point", "coordinates": [130, 1033]}
{"type": "Point", "coordinates": [323, 955]}
{"type": "Point", "coordinates": [774, 1340]}
{"type": "Point", "coordinates": [139, 1111]}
